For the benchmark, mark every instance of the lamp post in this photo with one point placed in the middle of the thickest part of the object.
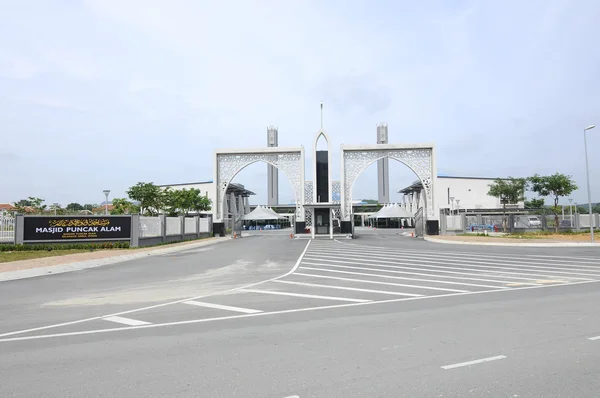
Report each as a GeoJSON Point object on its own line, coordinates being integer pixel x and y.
{"type": "Point", "coordinates": [457, 206]}
{"type": "Point", "coordinates": [106, 192]}
{"type": "Point", "coordinates": [55, 206]}
{"type": "Point", "coordinates": [587, 173]}
{"type": "Point", "coordinates": [452, 208]}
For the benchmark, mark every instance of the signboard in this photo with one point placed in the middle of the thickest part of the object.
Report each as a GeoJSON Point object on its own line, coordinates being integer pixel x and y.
{"type": "Point", "coordinates": [76, 228]}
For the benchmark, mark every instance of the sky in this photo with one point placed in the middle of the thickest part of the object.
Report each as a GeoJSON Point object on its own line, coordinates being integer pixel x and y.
{"type": "Point", "coordinates": [101, 94]}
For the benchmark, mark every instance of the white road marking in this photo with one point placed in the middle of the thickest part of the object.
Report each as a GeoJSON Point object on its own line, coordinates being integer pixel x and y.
{"type": "Point", "coordinates": [339, 278]}
{"type": "Point", "coordinates": [126, 321]}
{"type": "Point", "coordinates": [435, 258]}
{"type": "Point", "coordinates": [195, 321]}
{"type": "Point", "coordinates": [349, 288]}
{"type": "Point", "coordinates": [221, 307]}
{"type": "Point", "coordinates": [396, 277]}
{"type": "Point", "coordinates": [424, 267]}
{"type": "Point", "coordinates": [594, 338]}
{"type": "Point", "coordinates": [474, 255]}
{"type": "Point", "coordinates": [303, 295]}
{"type": "Point", "coordinates": [467, 263]}
{"type": "Point", "coordinates": [413, 273]}
{"type": "Point", "coordinates": [162, 304]}
{"type": "Point", "coordinates": [458, 365]}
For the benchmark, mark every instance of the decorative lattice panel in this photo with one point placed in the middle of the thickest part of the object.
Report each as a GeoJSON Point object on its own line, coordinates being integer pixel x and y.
{"type": "Point", "coordinates": [418, 160]}
{"type": "Point", "coordinates": [336, 191]}
{"type": "Point", "coordinates": [289, 163]}
{"type": "Point", "coordinates": [308, 192]}
{"type": "Point", "coordinates": [308, 217]}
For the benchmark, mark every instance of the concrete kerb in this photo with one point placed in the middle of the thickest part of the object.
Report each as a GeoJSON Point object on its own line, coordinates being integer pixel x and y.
{"type": "Point", "coordinates": [525, 244]}
{"type": "Point", "coordinates": [80, 265]}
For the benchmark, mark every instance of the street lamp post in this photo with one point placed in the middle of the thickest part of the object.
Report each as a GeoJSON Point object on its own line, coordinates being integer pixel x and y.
{"type": "Point", "coordinates": [457, 206]}
{"type": "Point", "coordinates": [106, 192]}
{"type": "Point", "coordinates": [452, 206]}
{"type": "Point", "coordinates": [587, 173]}
{"type": "Point", "coordinates": [55, 206]}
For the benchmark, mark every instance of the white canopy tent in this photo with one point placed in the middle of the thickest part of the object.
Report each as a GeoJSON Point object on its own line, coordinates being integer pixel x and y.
{"type": "Point", "coordinates": [261, 213]}
{"type": "Point", "coordinates": [393, 211]}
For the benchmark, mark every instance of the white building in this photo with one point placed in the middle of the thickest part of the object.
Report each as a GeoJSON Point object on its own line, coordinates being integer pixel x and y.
{"type": "Point", "coordinates": [457, 193]}
{"type": "Point", "coordinates": [237, 196]}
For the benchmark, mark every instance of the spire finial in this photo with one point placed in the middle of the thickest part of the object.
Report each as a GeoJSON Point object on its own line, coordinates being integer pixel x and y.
{"type": "Point", "coordinates": [321, 114]}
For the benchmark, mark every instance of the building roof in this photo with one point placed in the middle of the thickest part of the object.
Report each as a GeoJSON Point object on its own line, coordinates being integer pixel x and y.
{"type": "Point", "coordinates": [417, 185]}
{"type": "Point", "coordinates": [7, 207]}
{"type": "Point", "coordinates": [185, 183]}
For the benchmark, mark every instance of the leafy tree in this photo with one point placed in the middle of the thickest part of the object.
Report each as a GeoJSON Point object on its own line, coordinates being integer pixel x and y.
{"type": "Point", "coordinates": [89, 207]}
{"type": "Point", "coordinates": [554, 186]}
{"type": "Point", "coordinates": [123, 206]}
{"type": "Point", "coordinates": [148, 195]}
{"type": "Point", "coordinates": [511, 190]}
{"type": "Point", "coordinates": [74, 207]}
{"type": "Point", "coordinates": [35, 204]}
{"type": "Point", "coordinates": [173, 201]}
{"type": "Point", "coordinates": [200, 203]}
{"type": "Point", "coordinates": [534, 204]}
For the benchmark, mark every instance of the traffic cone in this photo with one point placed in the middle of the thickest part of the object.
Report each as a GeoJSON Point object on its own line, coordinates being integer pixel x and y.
{"type": "Point", "coordinates": [412, 234]}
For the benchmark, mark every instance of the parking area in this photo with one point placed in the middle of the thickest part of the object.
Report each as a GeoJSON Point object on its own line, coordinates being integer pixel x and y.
{"type": "Point", "coordinates": [332, 273]}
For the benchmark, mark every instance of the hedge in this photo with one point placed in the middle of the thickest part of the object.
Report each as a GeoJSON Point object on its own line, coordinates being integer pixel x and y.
{"type": "Point", "coordinates": [64, 246]}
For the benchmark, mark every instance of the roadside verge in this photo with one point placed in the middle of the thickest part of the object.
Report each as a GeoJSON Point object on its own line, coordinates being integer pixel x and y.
{"type": "Point", "coordinates": [487, 241]}
{"type": "Point", "coordinates": [75, 262]}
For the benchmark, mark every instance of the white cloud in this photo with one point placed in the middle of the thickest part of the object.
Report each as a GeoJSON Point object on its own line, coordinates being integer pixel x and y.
{"type": "Point", "coordinates": [173, 80]}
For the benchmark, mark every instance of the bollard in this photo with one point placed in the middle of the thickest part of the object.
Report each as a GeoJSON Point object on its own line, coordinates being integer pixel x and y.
{"type": "Point", "coordinates": [235, 235]}
{"type": "Point", "coordinates": [412, 234]}
{"type": "Point", "coordinates": [291, 236]}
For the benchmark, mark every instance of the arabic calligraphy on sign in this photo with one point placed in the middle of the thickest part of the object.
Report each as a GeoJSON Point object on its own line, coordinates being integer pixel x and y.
{"type": "Point", "coordinates": [79, 222]}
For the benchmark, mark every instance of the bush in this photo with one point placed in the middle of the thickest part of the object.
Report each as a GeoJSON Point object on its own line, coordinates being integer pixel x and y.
{"type": "Point", "coordinates": [65, 246]}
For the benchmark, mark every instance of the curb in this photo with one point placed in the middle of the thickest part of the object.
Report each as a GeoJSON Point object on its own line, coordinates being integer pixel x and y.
{"type": "Point", "coordinates": [545, 244]}
{"type": "Point", "coordinates": [80, 265]}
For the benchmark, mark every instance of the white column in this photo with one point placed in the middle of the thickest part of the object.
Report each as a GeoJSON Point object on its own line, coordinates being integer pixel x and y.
{"type": "Point", "coordinates": [331, 225]}
{"type": "Point", "coordinates": [233, 205]}
{"type": "Point", "coordinates": [246, 205]}
{"type": "Point", "coordinates": [312, 220]}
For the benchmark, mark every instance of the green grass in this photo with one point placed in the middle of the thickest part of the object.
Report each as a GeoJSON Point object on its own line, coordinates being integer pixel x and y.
{"type": "Point", "coordinates": [6, 257]}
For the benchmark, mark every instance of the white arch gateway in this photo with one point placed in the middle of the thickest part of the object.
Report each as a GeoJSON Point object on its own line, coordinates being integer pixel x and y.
{"type": "Point", "coordinates": [229, 162]}
{"type": "Point", "coordinates": [354, 160]}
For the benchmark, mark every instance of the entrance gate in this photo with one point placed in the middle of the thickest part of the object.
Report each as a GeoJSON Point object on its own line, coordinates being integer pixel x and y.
{"type": "Point", "coordinates": [228, 163]}
{"type": "Point", "coordinates": [419, 158]}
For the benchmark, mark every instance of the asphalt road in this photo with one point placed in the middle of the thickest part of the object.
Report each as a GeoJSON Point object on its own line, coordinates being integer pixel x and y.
{"type": "Point", "coordinates": [379, 315]}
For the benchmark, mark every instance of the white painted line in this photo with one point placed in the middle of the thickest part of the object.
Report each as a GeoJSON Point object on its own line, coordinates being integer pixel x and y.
{"type": "Point", "coordinates": [441, 268]}
{"type": "Point", "coordinates": [395, 277]}
{"type": "Point", "coordinates": [126, 321]}
{"type": "Point", "coordinates": [419, 262]}
{"type": "Point", "coordinates": [205, 320]}
{"type": "Point", "coordinates": [458, 365]}
{"type": "Point", "coordinates": [339, 278]}
{"type": "Point", "coordinates": [419, 256]}
{"type": "Point", "coordinates": [303, 295]}
{"type": "Point", "coordinates": [349, 288]}
{"type": "Point", "coordinates": [162, 304]}
{"type": "Point", "coordinates": [370, 264]}
{"type": "Point", "coordinates": [221, 307]}
{"type": "Point", "coordinates": [473, 255]}
{"type": "Point", "coordinates": [594, 338]}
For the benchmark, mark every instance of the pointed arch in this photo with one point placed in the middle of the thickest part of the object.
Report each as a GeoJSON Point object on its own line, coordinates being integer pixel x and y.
{"type": "Point", "coordinates": [321, 133]}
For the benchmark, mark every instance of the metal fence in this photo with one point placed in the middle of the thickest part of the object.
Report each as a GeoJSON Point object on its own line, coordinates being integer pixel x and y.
{"type": "Point", "coordinates": [7, 228]}
{"type": "Point", "coordinates": [522, 221]}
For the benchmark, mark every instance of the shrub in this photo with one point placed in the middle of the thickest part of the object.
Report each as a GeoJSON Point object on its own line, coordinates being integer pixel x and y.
{"type": "Point", "coordinates": [64, 246]}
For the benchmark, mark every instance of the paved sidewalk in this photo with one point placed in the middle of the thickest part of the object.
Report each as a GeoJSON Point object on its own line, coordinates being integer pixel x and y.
{"type": "Point", "coordinates": [492, 241]}
{"type": "Point", "coordinates": [73, 262]}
